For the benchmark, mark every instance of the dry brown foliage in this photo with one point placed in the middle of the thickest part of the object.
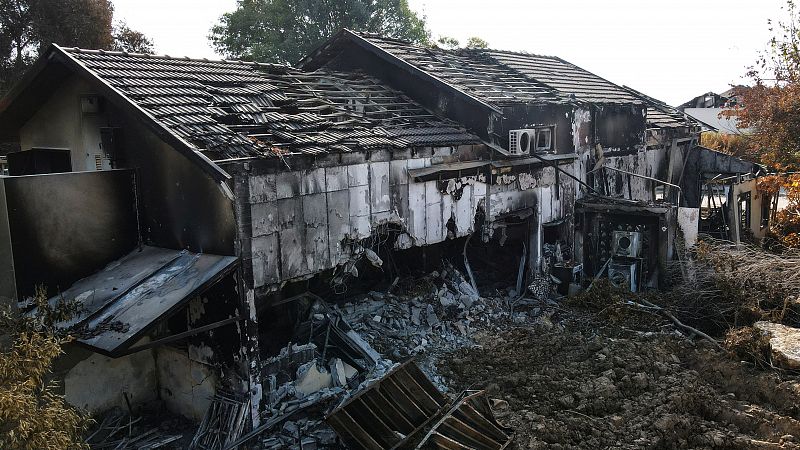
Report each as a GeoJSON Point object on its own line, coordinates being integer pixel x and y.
{"type": "Point", "coordinates": [32, 415]}
{"type": "Point", "coordinates": [730, 285]}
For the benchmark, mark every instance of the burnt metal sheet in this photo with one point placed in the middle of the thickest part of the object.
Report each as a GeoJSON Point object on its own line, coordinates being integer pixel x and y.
{"type": "Point", "coordinates": [98, 290]}
{"type": "Point", "coordinates": [124, 300]}
{"type": "Point", "coordinates": [389, 412]}
{"type": "Point", "coordinates": [540, 159]}
{"type": "Point", "coordinates": [470, 424]}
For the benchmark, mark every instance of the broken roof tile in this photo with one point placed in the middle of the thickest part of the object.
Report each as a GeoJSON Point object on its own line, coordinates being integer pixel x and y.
{"type": "Point", "coordinates": [503, 78]}
{"type": "Point", "coordinates": [235, 109]}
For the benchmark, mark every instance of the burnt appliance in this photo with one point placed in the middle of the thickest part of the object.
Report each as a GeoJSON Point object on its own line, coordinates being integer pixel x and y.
{"type": "Point", "coordinates": [625, 273]}
{"type": "Point", "coordinates": [627, 244]}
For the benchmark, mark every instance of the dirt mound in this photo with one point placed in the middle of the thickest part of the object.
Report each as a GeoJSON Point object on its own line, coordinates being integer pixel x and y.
{"type": "Point", "coordinates": [577, 387]}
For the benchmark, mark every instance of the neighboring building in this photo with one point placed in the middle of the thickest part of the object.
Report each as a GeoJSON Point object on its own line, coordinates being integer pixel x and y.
{"type": "Point", "coordinates": [713, 120]}
{"type": "Point", "coordinates": [180, 200]}
{"type": "Point", "coordinates": [727, 99]}
{"type": "Point", "coordinates": [707, 110]}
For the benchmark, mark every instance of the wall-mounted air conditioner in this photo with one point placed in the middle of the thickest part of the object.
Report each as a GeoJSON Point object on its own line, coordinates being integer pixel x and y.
{"type": "Point", "coordinates": [520, 141]}
{"type": "Point", "coordinates": [627, 243]}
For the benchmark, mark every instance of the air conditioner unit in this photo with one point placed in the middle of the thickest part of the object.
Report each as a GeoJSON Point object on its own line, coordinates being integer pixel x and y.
{"type": "Point", "coordinates": [627, 243]}
{"type": "Point", "coordinates": [624, 274]}
{"type": "Point", "coordinates": [520, 141]}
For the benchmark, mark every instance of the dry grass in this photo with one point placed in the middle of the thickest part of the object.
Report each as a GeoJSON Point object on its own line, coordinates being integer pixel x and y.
{"type": "Point", "coordinates": [728, 286]}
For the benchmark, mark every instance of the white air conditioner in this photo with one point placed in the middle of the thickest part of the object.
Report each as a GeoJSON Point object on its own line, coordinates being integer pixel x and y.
{"type": "Point", "coordinates": [627, 243]}
{"type": "Point", "coordinates": [520, 141]}
{"type": "Point", "coordinates": [624, 275]}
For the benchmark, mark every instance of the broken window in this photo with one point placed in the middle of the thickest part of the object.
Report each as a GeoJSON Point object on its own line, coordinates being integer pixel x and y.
{"type": "Point", "coordinates": [744, 210]}
{"type": "Point", "coordinates": [766, 199]}
{"type": "Point", "coordinates": [544, 139]}
{"type": "Point", "coordinates": [659, 192]}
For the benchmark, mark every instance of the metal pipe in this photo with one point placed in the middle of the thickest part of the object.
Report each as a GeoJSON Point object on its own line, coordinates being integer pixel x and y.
{"type": "Point", "coordinates": [554, 164]}
{"type": "Point", "coordinates": [680, 191]}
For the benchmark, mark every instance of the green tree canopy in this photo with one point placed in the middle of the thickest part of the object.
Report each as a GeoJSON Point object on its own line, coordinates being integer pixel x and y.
{"type": "Point", "coordinates": [285, 31]}
{"type": "Point", "coordinates": [130, 40]}
{"type": "Point", "coordinates": [476, 42]}
{"type": "Point", "coordinates": [451, 43]}
{"type": "Point", "coordinates": [28, 26]}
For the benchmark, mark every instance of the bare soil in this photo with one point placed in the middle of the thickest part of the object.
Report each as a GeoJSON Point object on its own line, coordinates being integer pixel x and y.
{"type": "Point", "coordinates": [580, 382]}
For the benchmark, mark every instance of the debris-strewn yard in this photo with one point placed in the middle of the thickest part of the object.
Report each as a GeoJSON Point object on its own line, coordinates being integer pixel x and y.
{"type": "Point", "coordinates": [606, 368]}
{"type": "Point", "coordinates": [578, 385]}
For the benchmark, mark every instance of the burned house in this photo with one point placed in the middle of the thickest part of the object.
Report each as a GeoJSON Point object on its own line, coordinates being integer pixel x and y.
{"type": "Point", "coordinates": [185, 203]}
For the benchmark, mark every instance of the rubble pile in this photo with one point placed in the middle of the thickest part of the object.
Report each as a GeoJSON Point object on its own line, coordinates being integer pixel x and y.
{"type": "Point", "coordinates": [304, 433]}
{"type": "Point", "coordinates": [343, 349]}
{"type": "Point", "coordinates": [431, 323]}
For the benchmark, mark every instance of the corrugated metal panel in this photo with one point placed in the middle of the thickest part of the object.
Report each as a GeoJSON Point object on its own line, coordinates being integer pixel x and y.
{"type": "Point", "coordinates": [390, 411]}
{"type": "Point", "coordinates": [470, 424]}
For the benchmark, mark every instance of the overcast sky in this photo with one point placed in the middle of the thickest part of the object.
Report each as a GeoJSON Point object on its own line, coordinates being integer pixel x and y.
{"type": "Point", "coordinates": [672, 50]}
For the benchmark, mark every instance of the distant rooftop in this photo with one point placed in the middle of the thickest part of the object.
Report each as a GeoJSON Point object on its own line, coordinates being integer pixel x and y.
{"type": "Point", "coordinates": [711, 120]}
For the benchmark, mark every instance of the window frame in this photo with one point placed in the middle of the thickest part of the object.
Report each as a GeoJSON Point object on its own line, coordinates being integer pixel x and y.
{"type": "Point", "coordinates": [551, 129]}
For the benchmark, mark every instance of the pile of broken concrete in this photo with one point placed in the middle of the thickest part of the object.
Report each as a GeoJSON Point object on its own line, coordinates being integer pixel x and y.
{"type": "Point", "coordinates": [351, 346]}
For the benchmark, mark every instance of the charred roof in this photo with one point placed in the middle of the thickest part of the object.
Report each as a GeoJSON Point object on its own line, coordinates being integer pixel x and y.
{"type": "Point", "coordinates": [230, 109]}
{"type": "Point", "coordinates": [662, 115]}
{"type": "Point", "coordinates": [494, 77]}
{"type": "Point", "coordinates": [239, 109]}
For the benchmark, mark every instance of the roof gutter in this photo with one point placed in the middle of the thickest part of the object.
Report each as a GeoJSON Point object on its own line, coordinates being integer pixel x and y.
{"type": "Point", "coordinates": [163, 132]}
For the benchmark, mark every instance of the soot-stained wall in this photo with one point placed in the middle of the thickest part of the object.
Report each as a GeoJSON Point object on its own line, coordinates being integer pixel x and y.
{"type": "Point", "coordinates": [66, 226]}
{"type": "Point", "coordinates": [620, 127]}
{"type": "Point", "coordinates": [296, 223]}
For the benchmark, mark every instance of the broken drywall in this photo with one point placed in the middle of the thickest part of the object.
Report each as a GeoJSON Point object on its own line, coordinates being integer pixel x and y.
{"type": "Point", "coordinates": [185, 386]}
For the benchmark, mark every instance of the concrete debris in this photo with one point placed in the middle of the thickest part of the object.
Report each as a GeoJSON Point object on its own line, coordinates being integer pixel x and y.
{"type": "Point", "coordinates": [434, 322]}
{"type": "Point", "coordinates": [289, 358]}
{"type": "Point", "coordinates": [302, 434]}
{"type": "Point", "coordinates": [311, 379]}
{"type": "Point", "coordinates": [784, 342]}
{"type": "Point", "coordinates": [338, 374]}
{"type": "Point", "coordinates": [373, 257]}
{"type": "Point", "coordinates": [353, 346]}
